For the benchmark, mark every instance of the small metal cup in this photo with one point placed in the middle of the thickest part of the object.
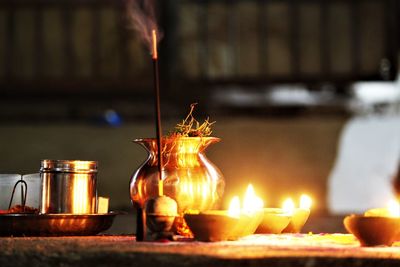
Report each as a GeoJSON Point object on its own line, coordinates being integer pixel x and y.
{"type": "Point", "coordinates": [68, 186]}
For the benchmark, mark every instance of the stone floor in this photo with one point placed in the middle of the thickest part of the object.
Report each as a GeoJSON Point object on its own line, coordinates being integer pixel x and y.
{"type": "Point", "coordinates": [262, 250]}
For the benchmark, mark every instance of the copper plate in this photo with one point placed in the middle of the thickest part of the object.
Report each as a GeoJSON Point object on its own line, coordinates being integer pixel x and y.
{"type": "Point", "coordinates": [54, 224]}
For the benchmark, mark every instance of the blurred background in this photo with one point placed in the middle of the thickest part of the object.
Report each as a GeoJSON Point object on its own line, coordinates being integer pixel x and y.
{"type": "Point", "coordinates": [284, 80]}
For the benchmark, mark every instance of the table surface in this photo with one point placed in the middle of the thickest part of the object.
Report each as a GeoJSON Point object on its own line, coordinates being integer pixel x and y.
{"type": "Point", "coordinates": [257, 250]}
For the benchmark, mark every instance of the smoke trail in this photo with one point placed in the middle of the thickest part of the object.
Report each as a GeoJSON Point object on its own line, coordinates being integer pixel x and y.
{"type": "Point", "coordinates": [142, 18]}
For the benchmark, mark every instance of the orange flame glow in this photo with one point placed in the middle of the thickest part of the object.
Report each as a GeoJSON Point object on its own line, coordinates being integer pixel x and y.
{"type": "Point", "coordinates": [252, 202]}
{"type": "Point", "coordinates": [394, 208]}
{"type": "Point", "coordinates": [234, 207]}
{"type": "Point", "coordinates": [288, 206]}
{"type": "Point", "coordinates": [154, 40]}
{"type": "Point", "coordinates": [305, 202]}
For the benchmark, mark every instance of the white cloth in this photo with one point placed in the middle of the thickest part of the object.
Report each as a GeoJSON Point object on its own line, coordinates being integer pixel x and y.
{"type": "Point", "coordinates": [368, 157]}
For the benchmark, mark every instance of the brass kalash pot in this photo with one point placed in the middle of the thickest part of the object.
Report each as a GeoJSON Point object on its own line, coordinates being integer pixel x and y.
{"type": "Point", "coordinates": [188, 176]}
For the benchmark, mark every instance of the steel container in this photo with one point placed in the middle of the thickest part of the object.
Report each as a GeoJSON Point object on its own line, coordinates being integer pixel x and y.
{"type": "Point", "coordinates": [68, 186]}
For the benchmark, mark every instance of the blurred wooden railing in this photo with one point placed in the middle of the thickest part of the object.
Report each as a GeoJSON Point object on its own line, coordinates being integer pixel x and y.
{"type": "Point", "coordinates": [68, 46]}
{"type": "Point", "coordinates": [280, 41]}
{"type": "Point", "coordinates": [85, 46]}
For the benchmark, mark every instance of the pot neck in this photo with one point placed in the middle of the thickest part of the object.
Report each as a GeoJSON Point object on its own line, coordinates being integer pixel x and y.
{"type": "Point", "coordinates": [181, 145]}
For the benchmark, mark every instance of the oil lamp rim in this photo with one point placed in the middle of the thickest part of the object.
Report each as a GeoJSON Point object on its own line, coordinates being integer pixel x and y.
{"type": "Point", "coordinates": [371, 218]}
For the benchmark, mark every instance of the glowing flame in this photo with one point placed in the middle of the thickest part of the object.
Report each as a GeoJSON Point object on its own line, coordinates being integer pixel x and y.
{"type": "Point", "coordinates": [394, 208]}
{"type": "Point", "coordinates": [305, 202]}
{"type": "Point", "coordinates": [154, 41]}
{"type": "Point", "coordinates": [288, 206]}
{"type": "Point", "coordinates": [252, 202]}
{"type": "Point", "coordinates": [234, 207]}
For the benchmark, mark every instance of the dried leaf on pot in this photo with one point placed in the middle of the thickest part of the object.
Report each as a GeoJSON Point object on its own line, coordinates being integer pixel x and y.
{"type": "Point", "coordinates": [190, 127]}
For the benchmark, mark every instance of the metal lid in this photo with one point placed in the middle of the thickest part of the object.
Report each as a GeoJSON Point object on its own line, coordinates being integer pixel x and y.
{"type": "Point", "coordinates": [50, 165]}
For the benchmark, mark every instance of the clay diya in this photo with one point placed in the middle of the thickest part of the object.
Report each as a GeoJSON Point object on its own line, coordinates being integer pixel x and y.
{"type": "Point", "coordinates": [221, 225]}
{"type": "Point", "coordinates": [250, 223]}
{"type": "Point", "coordinates": [299, 215]}
{"type": "Point", "coordinates": [377, 227]}
{"type": "Point", "coordinates": [373, 230]}
{"type": "Point", "coordinates": [274, 221]}
{"type": "Point", "coordinates": [299, 218]}
{"type": "Point", "coordinates": [214, 225]}
{"type": "Point", "coordinates": [252, 212]}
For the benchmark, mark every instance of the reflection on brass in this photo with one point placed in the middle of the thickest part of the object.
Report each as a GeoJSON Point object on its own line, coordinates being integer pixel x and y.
{"type": "Point", "coordinates": [188, 176]}
{"type": "Point", "coordinates": [54, 224]}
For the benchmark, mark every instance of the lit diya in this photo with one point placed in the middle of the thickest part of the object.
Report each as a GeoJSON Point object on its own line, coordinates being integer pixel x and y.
{"type": "Point", "coordinates": [287, 219]}
{"type": "Point", "coordinates": [274, 221]}
{"type": "Point", "coordinates": [299, 215]}
{"type": "Point", "coordinates": [252, 212]}
{"type": "Point", "coordinates": [377, 227]}
{"type": "Point", "coordinates": [231, 224]}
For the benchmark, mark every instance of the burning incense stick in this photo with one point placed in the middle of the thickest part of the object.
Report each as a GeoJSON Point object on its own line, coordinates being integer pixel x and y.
{"type": "Point", "coordinates": [141, 228]}
{"type": "Point", "coordinates": [157, 111]}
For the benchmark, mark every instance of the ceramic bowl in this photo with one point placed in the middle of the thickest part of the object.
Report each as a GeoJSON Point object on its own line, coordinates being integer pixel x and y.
{"type": "Point", "coordinates": [373, 230]}
{"type": "Point", "coordinates": [299, 218]}
{"type": "Point", "coordinates": [274, 221]}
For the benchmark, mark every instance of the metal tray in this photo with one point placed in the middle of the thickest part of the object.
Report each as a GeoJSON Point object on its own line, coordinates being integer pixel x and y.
{"type": "Point", "coordinates": [54, 224]}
